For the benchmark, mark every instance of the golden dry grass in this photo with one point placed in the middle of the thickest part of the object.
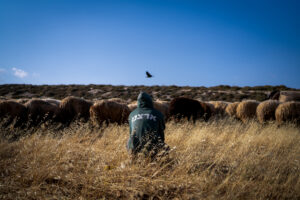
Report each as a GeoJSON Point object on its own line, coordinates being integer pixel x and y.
{"type": "Point", "coordinates": [216, 160]}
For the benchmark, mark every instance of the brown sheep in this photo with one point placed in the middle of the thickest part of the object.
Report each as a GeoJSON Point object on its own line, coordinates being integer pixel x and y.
{"type": "Point", "coordinates": [246, 110]}
{"type": "Point", "coordinates": [74, 107]}
{"type": "Point", "coordinates": [163, 107]}
{"type": "Point", "coordinates": [208, 110]}
{"type": "Point", "coordinates": [265, 111]}
{"type": "Point", "coordinates": [40, 110]}
{"type": "Point", "coordinates": [212, 108]}
{"type": "Point", "coordinates": [288, 112]}
{"type": "Point", "coordinates": [12, 110]}
{"type": "Point", "coordinates": [53, 101]}
{"type": "Point", "coordinates": [231, 109]}
{"type": "Point", "coordinates": [183, 107]}
{"type": "Point", "coordinates": [109, 112]}
{"type": "Point", "coordinates": [219, 107]}
{"type": "Point", "coordinates": [289, 96]}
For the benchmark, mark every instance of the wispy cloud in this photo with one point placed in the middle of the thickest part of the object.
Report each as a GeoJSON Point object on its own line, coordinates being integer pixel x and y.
{"type": "Point", "coordinates": [19, 72]}
{"type": "Point", "coordinates": [2, 70]}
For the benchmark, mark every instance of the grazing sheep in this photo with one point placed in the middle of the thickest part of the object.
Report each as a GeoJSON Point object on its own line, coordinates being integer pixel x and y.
{"type": "Point", "coordinates": [40, 110]}
{"type": "Point", "coordinates": [182, 107]}
{"type": "Point", "coordinates": [265, 111]}
{"type": "Point", "coordinates": [274, 95]}
{"type": "Point", "coordinates": [231, 109]}
{"type": "Point", "coordinates": [246, 110]}
{"type": "Point", "coordinates": [12, 110]}
{"type": "Point", "coordinates": [289, 96]}
{"type": "Point", "coordinates": [109, 112]}
{"type": "Point", "coordinates": [163, 107]}
{"type": "Point", "coordinates": [53, 101]}
{"type": "Point", "coordinates": [219, 107]}
{"type": "Point", "coordinates": [288, 112]}
{"type": "Point", "coordinates": [208, 110]}
{"type": "Point", "coordinates": [74, 107]}
{"type": "Point", "coordinates": [212, 108]}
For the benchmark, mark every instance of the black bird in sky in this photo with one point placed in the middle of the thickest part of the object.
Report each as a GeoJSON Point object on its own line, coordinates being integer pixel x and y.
{"type": "Point", "coordinates": [148, 75]}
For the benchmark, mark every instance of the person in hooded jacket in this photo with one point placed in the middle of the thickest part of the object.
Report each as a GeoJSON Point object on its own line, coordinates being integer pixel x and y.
{"type": "Point", "coordinates": [146, 128]}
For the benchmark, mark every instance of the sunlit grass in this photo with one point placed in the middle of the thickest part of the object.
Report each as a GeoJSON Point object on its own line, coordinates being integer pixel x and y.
{"type": "Point", "coordinates": [216, 160]}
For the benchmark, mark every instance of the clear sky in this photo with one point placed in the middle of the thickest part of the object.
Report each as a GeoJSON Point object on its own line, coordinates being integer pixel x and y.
{"type": "Point", "coordinates": [181, 42]}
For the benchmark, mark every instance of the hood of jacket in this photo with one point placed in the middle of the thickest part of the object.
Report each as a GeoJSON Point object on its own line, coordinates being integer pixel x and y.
{"type": "Point", "coordinates": [144, 100]}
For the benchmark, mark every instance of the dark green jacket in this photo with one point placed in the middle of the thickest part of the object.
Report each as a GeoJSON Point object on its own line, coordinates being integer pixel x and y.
{"type": "Point", "coordinates": [146, 124]}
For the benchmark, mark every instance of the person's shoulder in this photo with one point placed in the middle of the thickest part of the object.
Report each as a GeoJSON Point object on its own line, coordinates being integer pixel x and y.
{"type": "Point", "coordinates": [135, 112]}
{"type": "Point", "coordinates": [132, 113]}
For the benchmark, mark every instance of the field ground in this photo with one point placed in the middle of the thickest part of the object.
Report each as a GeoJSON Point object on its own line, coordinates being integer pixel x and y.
{"type": "Point", "coordinates": [130, 93]}
{"type": "Point", "coordinates": [216, 160]}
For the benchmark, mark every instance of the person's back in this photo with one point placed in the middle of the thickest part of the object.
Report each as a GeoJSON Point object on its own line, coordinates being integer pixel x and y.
{"type": "Point", "coordinates": [146, 126]}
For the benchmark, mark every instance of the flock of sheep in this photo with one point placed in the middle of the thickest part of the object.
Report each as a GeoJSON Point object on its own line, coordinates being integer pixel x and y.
{"type": "Point", "coordinates": [286, 108]}
{"type": "Point", "coordinates": [269, 110]}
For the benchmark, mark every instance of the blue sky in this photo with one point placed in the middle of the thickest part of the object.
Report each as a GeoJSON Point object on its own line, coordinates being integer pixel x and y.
{"type": "Point", "coordinates": [195, 43]}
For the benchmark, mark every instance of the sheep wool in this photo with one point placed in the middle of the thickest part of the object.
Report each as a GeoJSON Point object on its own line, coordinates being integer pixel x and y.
{"type": "Point", "coordinates": [208, 110]}
{"type": "Point", "coordinates": [74, 107]}
{"type": "Point", "coordinates": [219, 106]}
{"type": "Point", "coordinates": [231, 109]}
{"type": "Point", "coordinates": [288, 112]}
{"type": "Point", "coordinates": [109, 112]}
{"type": "Point", "coordinates": [265, 111]}
{"type": "Point", "coordinates": [183, 107]}
{"type": "Point", "coordinates": [163, 107]}
{"type": "Point", "coordinates": [39, 110]}
{"type": "Point", "coordinates": [246, 110]}
{"type": "Point", "coordinates": [12, 109]}
{"type": "Point", "coordinates": [286, 96]}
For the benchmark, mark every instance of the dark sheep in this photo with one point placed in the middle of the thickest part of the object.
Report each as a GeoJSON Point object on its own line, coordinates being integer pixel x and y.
{"type": "Point", "coordinates": [207, 110]}
{"type": "Point", "coordinates": [13, 110]}
{"type": "Point", "coordinates": [74, 107]}
{"type": "Point", "coordinates": [40, 110]}
{"type": "Point", "coordinates": [274, 95]}
{"type": "Point", "coordinates": [182, 107]}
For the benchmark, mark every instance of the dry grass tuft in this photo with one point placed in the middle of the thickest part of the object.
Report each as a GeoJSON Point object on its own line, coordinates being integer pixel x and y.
{"type": "Point", "coordinates": [217, 160]}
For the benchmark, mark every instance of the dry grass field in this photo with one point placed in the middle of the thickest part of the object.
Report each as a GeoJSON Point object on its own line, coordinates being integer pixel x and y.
{"type": "Point", "coordinates": [216, 160]}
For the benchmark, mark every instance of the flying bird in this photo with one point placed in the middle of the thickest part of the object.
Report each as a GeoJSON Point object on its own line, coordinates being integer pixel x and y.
{"type": "Point", "coordinates": [148, 75]}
